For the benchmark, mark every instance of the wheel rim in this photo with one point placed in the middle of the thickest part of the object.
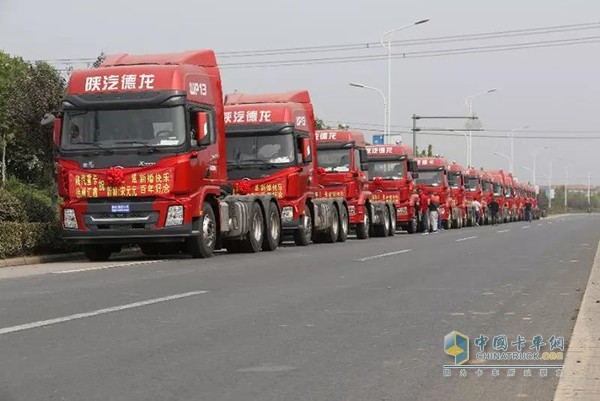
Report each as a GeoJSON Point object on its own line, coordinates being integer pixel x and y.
{"type": "Point", "coordinates": [257, 229]}
{"type": "Point", "coordinates": [208, 231]}
{"type": "Point", "coordinates": [386, 222]}
{"type": "Point", "coordinates": [393, 223]}
{"type": "Point", "coordinates": [274, 226]}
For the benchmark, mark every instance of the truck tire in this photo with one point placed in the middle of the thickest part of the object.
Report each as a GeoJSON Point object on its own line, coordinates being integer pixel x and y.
{"type": "Point", "coordinates": [254, 240]}
{"type": "Point", "coordinates": [392, 230]}
{"type": "Point", "coordinates": [97, 253]}
{"type": "Point", "coordinates": [273, 231]}
{"type": "Point", "coordinates": [344, 224]}
{"type": "Point", "coordinates": [303, 236]}
{"type": "Point", "coordinates": [332, 233]}
{"type": "Point", "coordinates": [383, 230]}
{"type": "Point", "coordinates": [412, 226]}
{"type": "Point", "coordinates": [203, 244]}
{"type": "Point", "coordinates": [362, 229]}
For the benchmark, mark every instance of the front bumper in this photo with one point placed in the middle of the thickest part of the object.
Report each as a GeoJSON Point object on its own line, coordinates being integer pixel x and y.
{"type": "Point", "coordinates": [114, 236]}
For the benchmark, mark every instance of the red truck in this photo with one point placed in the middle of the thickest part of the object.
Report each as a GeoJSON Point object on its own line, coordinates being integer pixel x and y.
{"type": "Point", "coordinates": [457, 195]}
{"type": "Point", "coordinates": [392, 174]}
{"type": "Point", "coordinates": [433, 178]}
{"type": "Point", "coordinates": [511, 198]}
{"type": "Point", "coordinates": [142, 160]}
{"type": "Point", "coordinates": [499, 191]}
{"type": "Point", "coordinates": [271, 149]}
{"type": "Point", "coordinates": [343, 166]}
{"type": "Point", "coordinates": [474, 188]}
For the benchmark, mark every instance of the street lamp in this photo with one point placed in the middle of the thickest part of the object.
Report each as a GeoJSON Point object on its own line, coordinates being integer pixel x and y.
{"type": "Point", "coordinates": [528, 169]}
{"type": "Point", "coordinates": [469, 104]}
{"type": "Point", "coordinates": [512, 144]}
{"type": "Point", "coordinates": [385, 107]}
{"type": "Point", "coordinates": [505, 156]}
{"type": "Point", "coordinates": [388, 46]}
{"type": "Point", "coordinates": [534, 155]}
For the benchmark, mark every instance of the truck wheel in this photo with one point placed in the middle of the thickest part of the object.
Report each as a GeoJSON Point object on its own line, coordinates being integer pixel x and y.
{"type": "Point", "coordinates": [412, 226]}
{"type": "Point", "coordinates": [253, 243]}
{"type": "Point", "coordinates": [331, 234]}
{"type": "Point", "coordinates": [362, 229]}
{"type": "Point", "coordinates": [203, 244]}
{"type": "Point", "coordinates": [392, 230]}
{"type": "Point", "coordinates": [302, 236]}
{"type": "Point", "coordinates": [97, 253]}
{"type": "Point", "coordinates": [273, 232]}
{"type": "Point", "coordinates": [382, 230]}
{"type": "Point", "coordinates": [344, 224]}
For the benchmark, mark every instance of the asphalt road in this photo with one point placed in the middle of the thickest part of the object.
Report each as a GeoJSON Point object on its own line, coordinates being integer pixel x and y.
{"type": "Point", "coordinates": [362, 321]}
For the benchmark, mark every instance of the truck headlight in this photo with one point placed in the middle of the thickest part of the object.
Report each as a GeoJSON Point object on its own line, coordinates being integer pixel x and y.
{"type": "Point", "coordinates": [352, 210]}
{"type": "Point", "coordinates": [287, 214]}
{"type": "Point", "coordinates": [401, 211]}
{"type": "Point", "coordinates": [70, 219]}
{"type": "Point", "coordinates": [174, 216]}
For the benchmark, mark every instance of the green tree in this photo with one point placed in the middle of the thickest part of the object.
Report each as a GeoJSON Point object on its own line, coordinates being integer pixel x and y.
{"type": "Point", "coordinates": [99, 60]}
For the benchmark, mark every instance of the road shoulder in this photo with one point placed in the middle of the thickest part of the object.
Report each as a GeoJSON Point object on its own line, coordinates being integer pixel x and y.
{"type": "Point", "coordinates": [581, 373]}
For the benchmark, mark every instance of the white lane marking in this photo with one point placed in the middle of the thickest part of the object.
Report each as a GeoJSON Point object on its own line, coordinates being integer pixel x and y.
{"type": "Point", "coordinates": [465, 239]}
{"type": "Point", "coordinates": [524, 227]}
{"type": "Point", "coordinates": [457, 314]}
{"type": "Point", "coordinates": [131, 264]}
{"type": "Point", "coordinates": [540, 224]}
{"type": "Point", "coordinates": [503, 231]}
{"type": "Point", "coordinates": [84, 315]}
{"type": "Point", "coordinates": [383, 255]}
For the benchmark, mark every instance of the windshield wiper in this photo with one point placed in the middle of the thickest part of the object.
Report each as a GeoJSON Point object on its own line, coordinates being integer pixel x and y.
{"type": "Point", "coordinates": [263, 162]}
{"type": "Point", "coordinates": [108, 150]}
{"type": "Point", "coordinates": [231, 163]}
{"type": "Point", "coordinates": [144, 144]}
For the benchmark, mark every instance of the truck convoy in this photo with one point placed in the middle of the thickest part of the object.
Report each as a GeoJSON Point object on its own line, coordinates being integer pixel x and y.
{"type": "Point", "coordinates": [148, 154]}
{"type": "Point", "coordinates": [473, 192]}
{"type": "Point", "coordinates": [392, 174]}
{"type": "Point", "coordinates": [141, 159]}
{"type": "Point", "coordinates": [343, 173]}
{"type": "Point", "coordinates": [271, 149]}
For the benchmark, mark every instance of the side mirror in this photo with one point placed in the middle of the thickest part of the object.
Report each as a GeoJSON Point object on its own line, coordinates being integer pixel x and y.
{"type": "Point", "coordinates": [413, 166]}
{"type": "Point", "coordinates": [306, 151]}
{"type": "Point", "coordinates": [414, 175]}
{"type": "Point", "coordinates": [364, 166]}
{"type": "Point", "coordinates": [202, 134]}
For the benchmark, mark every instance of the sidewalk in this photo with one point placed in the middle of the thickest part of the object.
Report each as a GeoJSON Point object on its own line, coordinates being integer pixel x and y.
{"type": "Point", "coordinates": [63, 257]}
{"type": "Point", "coordinates": [581, 374]}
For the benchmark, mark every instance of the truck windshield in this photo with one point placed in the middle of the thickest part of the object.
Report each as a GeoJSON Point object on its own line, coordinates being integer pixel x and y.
{"type": "Point", "coordinates": [252, 147]}
{"type": "Point", "coordinates": [430, 178]}
{"type": "Point", "coordinates": [337, 160]}
{"type": "Point", "coordinates": [509, 192]}
{"type": "Point", "coordinates": [158, 127]}
{"type": "Point", "coordinates": [471, 183]}
{"type": "Point", "coordinates": [497, 189]}
{"type": "Point", "coordinates": [386, 169]}
{"type": "Point", "coordinates": [454, 180]}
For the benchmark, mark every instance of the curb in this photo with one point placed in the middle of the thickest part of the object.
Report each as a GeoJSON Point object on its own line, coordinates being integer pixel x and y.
{"type": "Point", "coordinates": [63, 257]}
{"type": "Point", "coordinates": [581, 372]}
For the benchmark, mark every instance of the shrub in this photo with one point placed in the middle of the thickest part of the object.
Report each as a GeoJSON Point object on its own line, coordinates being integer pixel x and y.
{"type": "Point", "coordinates": [28, 238]}
{"type": "Point", "coordinates": [11, 209]}
{"type": "Point", "coordinates": [37, 204]}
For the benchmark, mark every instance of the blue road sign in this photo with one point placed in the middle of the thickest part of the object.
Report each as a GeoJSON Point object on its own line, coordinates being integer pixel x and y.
{"type": "Point", "coordinates": [377, 139]}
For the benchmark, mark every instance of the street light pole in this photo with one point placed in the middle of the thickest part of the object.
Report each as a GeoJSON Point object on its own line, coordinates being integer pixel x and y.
{"type": "Point", "coordinates": [386, 131]}
{"type": "Point", "coordinates": [505, 156]}
{"type": "Point", "coordinates": [566, 185]}
{"type": "Point", "coordinates": [534, 155]}
{"type": "Point", "coordinates": [469, 104]}
{"type": "Point", "coordinates": [388, 46]}
{"type": "Point", "coordinates": [512, 145]}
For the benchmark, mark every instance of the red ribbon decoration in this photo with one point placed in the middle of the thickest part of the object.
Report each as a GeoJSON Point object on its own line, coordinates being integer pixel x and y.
{"type": "Point", "coordinates": [115, 176]}
{"type": "Point", "coordinates": [378, 181]}
{"type": "Point", "coordinates": [321, 171]}
{"type": "Point", "coordinates": [244, 187]}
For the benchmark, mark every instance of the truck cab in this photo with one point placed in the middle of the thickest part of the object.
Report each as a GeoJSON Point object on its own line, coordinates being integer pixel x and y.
{"type": "Point", "coordinates": [141, 159]}
{"type": "Point", "coordinates": [271, 148]}
{"type": "Point", "coordinates": [457, 195]}
{"type": "Point", "coordinates": [499, 193]}
{"type": "Point", "coordinates": [392, 174]}
{"type": "Point", "coordinates": [510, 195]}
{"type": "Point", "coordinates": [473, 181]}
{"type": "Point", "coordinates": [343, 172]}
{"type": "Point", "coordinates": [433, 178]}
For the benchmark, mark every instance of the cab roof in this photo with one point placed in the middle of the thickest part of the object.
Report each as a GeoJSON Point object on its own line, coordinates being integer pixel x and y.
{"type": "Point", "coordinates": [335, 136]}
{"type": "Point", "coordinates": [472, 172]}
{"type": "Point", "coordinates": [424, 162]}
{"type": "Point", "coordinates": [202, 58]}
{"type": "Point", "coordinates": [300, 96]}
{"type": "Point", "coordinates": [455, 168]}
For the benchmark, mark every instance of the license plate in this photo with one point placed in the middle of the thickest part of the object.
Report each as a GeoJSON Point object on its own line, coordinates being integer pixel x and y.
{"type": "Point", "coordinates": [119, 208]}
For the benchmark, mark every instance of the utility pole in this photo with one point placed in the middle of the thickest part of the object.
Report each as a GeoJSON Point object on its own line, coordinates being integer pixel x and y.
{"type": "Point", "coordinates": [566, 185]}
{"type": "Point", "coordinates": [416, 117]}
{"type": "Point", "coordinates": [550, 185]}
{"type": "Point", "coordinates": [589, 190]}
{"type": "Point", "coordinates": [414, 130]}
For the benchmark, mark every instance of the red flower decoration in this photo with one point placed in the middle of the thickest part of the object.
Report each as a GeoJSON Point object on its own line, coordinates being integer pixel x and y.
{"type": "Point", "coordinates": [321, 171]}
{"type": "Point", "coordinates": [115, 176]}
{"type": "Point", "coordinates": [378, 181]}
{"type": "Point", "coordinates": [244, 187]}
